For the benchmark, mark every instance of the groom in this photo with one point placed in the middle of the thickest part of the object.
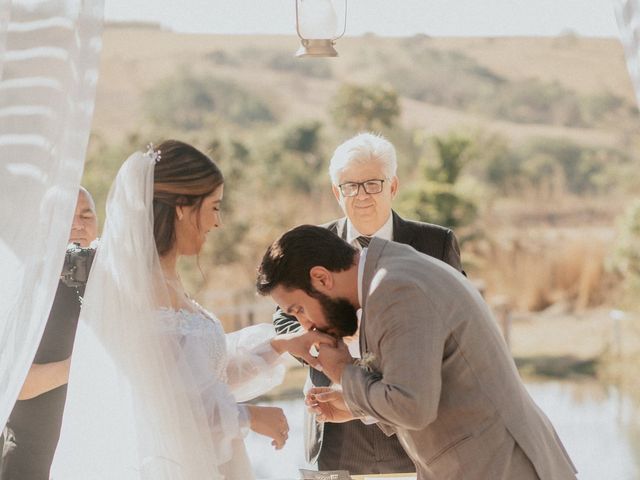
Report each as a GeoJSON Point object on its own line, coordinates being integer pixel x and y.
{"type": "Point", "coordinates": [435, 370]}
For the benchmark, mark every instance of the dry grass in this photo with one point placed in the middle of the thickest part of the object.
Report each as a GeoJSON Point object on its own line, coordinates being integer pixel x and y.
{"type": "Point", "coordinates": [536, 273]}
{"type": "Point", "coordinates": [536, 254]}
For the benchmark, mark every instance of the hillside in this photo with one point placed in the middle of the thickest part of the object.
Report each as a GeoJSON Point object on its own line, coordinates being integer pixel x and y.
{"type": "Point", "coordinates": [134, 60]}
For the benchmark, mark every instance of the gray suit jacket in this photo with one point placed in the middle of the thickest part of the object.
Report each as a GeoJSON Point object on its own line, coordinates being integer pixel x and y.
{"type": "Point", "coordinates": [442, 378]}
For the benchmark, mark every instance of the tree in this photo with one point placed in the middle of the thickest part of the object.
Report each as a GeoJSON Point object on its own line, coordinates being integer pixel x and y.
{"type": "Point", "coordinates": [495, 162]}
{"type": "Point", "coordinates": [452, 154]}
{"type": "Point", "coordinates": [234, 158]}
{"type": "Point", "coordinates": [437, 203]}
{"type": "Point", "coordinates": [434, 198]}
{"type": "Point", "coordinates": [294, 159]}
{"type": "Point", "coordinates": [358, 108]}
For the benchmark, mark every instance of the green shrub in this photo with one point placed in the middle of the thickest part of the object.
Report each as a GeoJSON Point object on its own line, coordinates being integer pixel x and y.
{"type": "Point", "coordinates": [437, 203]}
{"type": "Point", "coordinates": [190, 102]}
{"type": "Point", "coordinates": [222, 57]}
{"type": "Point", "coordinates": [434, 198]}
{"type": "Point", "coordinates": [532, 101]}
{"type": "Point", "coordinates": [365, 107]}
{"type": "Point", "coordinates": [293, 160]}
{"type": "Point", "coordinates": [599, 108]}
{"type": "Point", "coordinates": [447, 78]}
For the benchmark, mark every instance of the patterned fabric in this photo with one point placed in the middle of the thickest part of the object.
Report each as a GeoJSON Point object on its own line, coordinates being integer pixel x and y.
{"type": "Point", "coordinates": [202, 328]}
{"type": "Point", "coordinates": [362, 449]}
{"type": "Point", "coordinates": [363, 241]}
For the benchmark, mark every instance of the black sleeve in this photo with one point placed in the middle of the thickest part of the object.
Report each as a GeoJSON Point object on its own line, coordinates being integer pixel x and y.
{"type": "Point", "coordinates": [284, 323]}
{"type": "Point", "coordinates": [451, 254]}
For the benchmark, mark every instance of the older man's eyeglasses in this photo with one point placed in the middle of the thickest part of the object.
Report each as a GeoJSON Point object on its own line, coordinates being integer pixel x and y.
{"type": "Point", "coordinates": [351, 189]}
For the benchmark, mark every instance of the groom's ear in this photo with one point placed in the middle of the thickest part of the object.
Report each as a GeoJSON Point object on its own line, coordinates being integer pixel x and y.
{"type": "Point", "coordinates": [321, 279]}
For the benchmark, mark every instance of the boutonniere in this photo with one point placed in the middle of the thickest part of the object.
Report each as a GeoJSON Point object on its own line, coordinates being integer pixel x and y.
{"type": "Point", "coordinates": [367, 362]}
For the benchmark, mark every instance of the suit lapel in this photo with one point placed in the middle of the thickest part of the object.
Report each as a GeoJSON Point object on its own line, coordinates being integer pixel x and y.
{"type": "Point", "coordinates": [402, 231]}
{"type": "Point", "coordinates": [342, 228]}
{"type": "Point", "coordinates": [373, 253]}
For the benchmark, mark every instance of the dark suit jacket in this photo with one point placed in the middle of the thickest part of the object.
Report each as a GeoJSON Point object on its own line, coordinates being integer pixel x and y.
{"type": "Point", "coordinates": [433, 240]}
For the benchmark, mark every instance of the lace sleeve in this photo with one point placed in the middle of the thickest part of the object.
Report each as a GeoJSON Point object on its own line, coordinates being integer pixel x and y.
{"type": "Point", "coordinates": [253, 366]}
{"type": "Point", "coordinates": [203, 356]}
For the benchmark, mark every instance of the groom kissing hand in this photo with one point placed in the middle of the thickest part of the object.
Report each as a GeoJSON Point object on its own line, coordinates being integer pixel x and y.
{"type": "Point", "coordinates": [334, 360]}
{"type": "Point", "coordinates": [299, 344]}
{"type": "Point", "coordinates": [435, 370]}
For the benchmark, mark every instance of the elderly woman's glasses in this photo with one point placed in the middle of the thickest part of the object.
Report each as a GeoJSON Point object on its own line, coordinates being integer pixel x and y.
{"type": "Point", "coordinates": [351, 189]}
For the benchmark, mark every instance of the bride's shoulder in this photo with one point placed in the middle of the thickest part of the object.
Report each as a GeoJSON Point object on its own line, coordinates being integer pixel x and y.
{"type": "Point", "coordinates": [185, 320]}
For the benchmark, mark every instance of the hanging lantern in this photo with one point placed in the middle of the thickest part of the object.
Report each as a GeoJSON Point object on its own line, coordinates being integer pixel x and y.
{"type": "Point", "coordinates": [317, 27]}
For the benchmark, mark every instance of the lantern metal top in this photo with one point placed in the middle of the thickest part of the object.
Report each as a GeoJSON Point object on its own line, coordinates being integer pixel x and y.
{"type": "Point", "coordinates": [316, 48]}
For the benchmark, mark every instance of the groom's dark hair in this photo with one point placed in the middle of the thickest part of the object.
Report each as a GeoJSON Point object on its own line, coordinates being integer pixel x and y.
{"type": "Point", "coordinates": [289, 259]}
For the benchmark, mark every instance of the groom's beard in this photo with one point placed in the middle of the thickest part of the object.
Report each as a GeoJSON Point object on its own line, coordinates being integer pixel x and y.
{"type": "Point", "coordinates": [339, 314]}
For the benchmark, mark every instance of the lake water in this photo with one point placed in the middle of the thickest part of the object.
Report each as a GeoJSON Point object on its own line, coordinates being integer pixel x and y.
{"type": "Point", "coordinates": [599, 426]}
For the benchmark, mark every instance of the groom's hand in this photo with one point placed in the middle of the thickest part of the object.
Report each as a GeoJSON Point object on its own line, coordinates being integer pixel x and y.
{"type": "Point", "coordinates": [334, 359]}
{"type": "Point", "coordinates": [299, 344]}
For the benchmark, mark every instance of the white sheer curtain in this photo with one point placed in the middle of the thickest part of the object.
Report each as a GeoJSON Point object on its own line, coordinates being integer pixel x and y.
{"type": "Point", "coordinates": [48, 74]}
{"type": "Point", "coordinates": [628, 17]}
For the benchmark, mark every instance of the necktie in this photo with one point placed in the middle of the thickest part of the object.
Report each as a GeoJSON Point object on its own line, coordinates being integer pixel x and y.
{"type": "Point", "coordinates": [363, 241]}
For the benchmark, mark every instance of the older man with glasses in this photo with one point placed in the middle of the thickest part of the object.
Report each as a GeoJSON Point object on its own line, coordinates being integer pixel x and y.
{"type": "Point", "coordinates": [364, 182]}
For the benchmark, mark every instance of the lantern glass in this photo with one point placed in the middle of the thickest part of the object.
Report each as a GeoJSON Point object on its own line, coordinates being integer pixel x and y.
{"type": "Point", "coordinates": [317, 19]}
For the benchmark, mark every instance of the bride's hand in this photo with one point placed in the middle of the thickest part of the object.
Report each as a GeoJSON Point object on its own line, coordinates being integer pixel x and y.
{"type": "Point", "coordinates": [271, 422]}
{"type": "Point", "coordinates": [299, 345]}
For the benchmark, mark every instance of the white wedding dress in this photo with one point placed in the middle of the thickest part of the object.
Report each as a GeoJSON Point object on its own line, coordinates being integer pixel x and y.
{"type": "Point", "coordinates": [227, 368]}
{"type": "Point", "coordinates": [153, 391]}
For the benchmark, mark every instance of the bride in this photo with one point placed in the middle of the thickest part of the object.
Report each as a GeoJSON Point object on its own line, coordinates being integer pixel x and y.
{"type": "Point", "coordinates": [154, 381]}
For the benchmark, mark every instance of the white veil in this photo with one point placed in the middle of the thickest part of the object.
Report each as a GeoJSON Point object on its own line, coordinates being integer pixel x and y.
{"type": "Point", "coordinates": [128, 414]}
{"type": "Point", "coordinates": [49, 56]}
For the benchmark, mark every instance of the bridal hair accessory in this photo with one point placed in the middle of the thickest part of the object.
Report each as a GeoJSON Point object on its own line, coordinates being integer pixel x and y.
{"type": "Point", "coordinates": [153, 153]}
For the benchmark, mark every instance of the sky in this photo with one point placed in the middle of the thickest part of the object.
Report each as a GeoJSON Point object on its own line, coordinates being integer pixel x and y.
{"type": "Point", "coordinates": [382, 17]}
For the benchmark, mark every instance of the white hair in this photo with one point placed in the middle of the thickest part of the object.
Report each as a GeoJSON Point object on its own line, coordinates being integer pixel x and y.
{"type": "Point", "coordinates": [362, 149]}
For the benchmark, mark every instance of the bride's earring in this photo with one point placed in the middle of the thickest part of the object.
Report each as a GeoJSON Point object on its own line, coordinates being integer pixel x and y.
{"type": "Point", "coordinates": [179, 214]}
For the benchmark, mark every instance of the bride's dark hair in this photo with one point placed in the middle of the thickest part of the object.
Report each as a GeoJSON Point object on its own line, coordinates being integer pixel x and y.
{"type": "Point", "coordinates": [184, 176]}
